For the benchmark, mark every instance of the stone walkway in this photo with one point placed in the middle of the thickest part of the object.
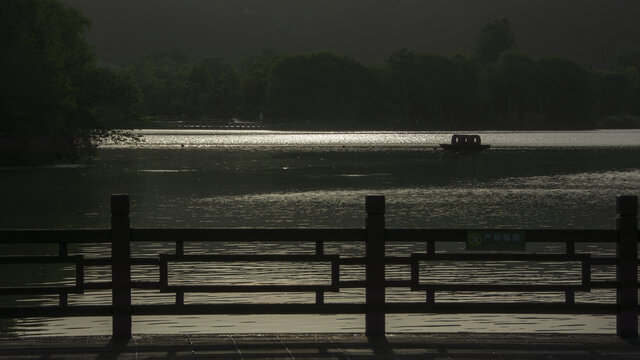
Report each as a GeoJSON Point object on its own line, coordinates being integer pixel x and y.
{"type": "Point", "coordinates": [326, 346]}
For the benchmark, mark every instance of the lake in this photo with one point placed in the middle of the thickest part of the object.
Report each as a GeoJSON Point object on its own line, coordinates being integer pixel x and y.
{"type": "Point", "coordinates": [211, 178]}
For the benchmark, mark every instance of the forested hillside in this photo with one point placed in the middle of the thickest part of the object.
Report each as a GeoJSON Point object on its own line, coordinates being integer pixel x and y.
{"type": "Point", "coordinates": [495, 86]}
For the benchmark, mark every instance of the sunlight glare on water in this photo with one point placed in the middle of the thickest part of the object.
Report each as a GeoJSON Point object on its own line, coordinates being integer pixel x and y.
{"type": "Point", "coordinates": [208, 138]}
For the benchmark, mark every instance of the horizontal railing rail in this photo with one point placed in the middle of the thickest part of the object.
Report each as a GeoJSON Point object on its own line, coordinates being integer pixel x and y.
{"type": "Point", "coordinates": [374, 236]}
{"type": "Point", "coordinates": [248, 235]}
{"type": "Point", "coordinates": [84, 236]}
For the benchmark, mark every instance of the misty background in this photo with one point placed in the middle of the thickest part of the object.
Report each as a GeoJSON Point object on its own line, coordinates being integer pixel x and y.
{"type": "Point", "coordinates": [589, 31]}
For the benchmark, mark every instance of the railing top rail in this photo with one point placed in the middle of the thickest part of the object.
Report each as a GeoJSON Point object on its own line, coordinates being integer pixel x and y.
{"type": "Point", "coordinates": [532, 235]}
{"type": "Point", "coordinates": [285, 234]}
{"type": "Point", "coordinates": [54, 236]}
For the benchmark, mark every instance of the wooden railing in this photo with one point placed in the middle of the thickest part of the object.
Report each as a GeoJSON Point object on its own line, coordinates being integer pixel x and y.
{"type": "Point", "coordinates": [375, 235]}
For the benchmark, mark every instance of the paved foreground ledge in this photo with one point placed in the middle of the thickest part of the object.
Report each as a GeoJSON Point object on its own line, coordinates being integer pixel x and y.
{"type": "Point", "coordinates": [326, 346]}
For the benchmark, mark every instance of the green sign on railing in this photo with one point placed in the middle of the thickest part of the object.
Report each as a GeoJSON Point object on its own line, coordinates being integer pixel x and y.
{"type": "Point", "coordinates": [496, 240]}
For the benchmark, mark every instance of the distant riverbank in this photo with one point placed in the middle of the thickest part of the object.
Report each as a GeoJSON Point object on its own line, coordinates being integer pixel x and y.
{"type": "Point", "coordinates": [611, 123]}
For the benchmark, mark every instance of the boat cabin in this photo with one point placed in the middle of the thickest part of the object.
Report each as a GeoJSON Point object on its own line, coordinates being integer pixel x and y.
{"type": "Point", "coordinates": [465, 143]}
{"type": "Point", "coordinates": [469, 140]}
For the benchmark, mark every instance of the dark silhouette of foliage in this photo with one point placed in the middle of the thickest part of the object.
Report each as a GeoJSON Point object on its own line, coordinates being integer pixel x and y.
{"type": "Point", "coordinates": [510, 85]}
{"type": "Point", "coordinates": [161, 78]}
{"type": "Point", "coordinates": [409, 91]}
{"type": "Point", "coordinates": [495, 38]}
{"type": "Point", "coordinates": [497, 87]}
{"type": "Point", "coordinates": [55, 102]}
{"type": "Point", "coordinates": [566, 93]}
{"type": "Point", "coordinates": [616, 93]}
{"type": "Point", "coordinates": [317, 87]}
{"type": "Point", "coordinates": [199, 89]}
{"type": "Point", "coordinates": [224, 99]}
{"type": "Point", "coordinates": [628, 57]}
{"type": "Point", "coordinates": [254, 78]}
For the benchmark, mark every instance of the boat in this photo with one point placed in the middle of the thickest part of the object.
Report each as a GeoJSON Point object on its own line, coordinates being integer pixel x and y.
{"type": "Point", "coordinates": [465, 143]}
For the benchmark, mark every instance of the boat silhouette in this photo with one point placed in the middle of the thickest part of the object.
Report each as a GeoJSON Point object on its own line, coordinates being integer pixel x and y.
{"type": "Point", "coordinates": [465, 143]}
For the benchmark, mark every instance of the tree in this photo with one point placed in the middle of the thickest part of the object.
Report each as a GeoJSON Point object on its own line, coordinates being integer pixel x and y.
{"type": "Point", "coordinates": [433, 73]}
{"type": "Point", "coordinates": [463, 99]}
{"type": "Point", "coordinates": [566, 93]}
{"type": "Point", "coordinates": [434, 91]}
{"type": "Point", "coordinates": [381, 103]}
{"type": "Point", "coordinates": [422, 85]}
{"type": "Point", "coordinates": [321, 87]}
{"type": "Point", "coordinates": [47, 75]}
{"type": "Point", "coordinates": [199, 89]}
{"type": "Point", "coordinates": [161, 78]}
{"type": "Point", "coordinates": [110, 100]}
{"type": "Point", "coordinates": [401, 65]}
{"type": "Point", "coordinates": [628, 57]}
{"type": "Point", "coordinates": [615, 92]}
{"type": "Point", "coordinates": [633, 75]}
{"type": "Point", "coordinates": [200, 76]}
{"type": "Point", "coordinates": [511, 83]}
{"type": "Point", "coordinates": [254, 74]}
{"type": "Point", "coordinates": [495, 38]}
{"type": "Point", "coordinates": [225, 100]}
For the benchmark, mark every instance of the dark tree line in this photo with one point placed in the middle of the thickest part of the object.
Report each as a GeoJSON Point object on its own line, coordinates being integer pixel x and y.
{"type": "Point", "coordinates": [495, 87]}
{"type": "Point", "coordinates": [55, 102]}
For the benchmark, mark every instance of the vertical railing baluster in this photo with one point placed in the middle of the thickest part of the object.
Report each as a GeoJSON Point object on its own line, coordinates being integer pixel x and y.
{"type": "Point", "coordinates": [319, 247]}
{"type": "Point", "coordinates": [179, 247]}
{"type": "Point", "coordinates": [586, 274]}
{"type": "Point", "coordinates": [375, 272]}
{"type": "Point", "coordinates": [121, 267]}
{"type": "Point", "coordinates": [431, 249]}
{"type": "Point", "coordinates": [570, 247]}
{"type": "Point", "coordinates": [320, 252]}
{"type": "Point", "coordinates": [163, 272]}
{"type": "Point", "coordinates": [79, 274]}
{"type": "Point", "coordinates": [63, 299]}
{"type": "Point", "coordinates": [431, 297]}
{"type": "Point", "coordinates": [63, 249]}
{"type": "Point", "coordinates": [570, 295]}
{"type": "Point", "coordinates": [627, 269]}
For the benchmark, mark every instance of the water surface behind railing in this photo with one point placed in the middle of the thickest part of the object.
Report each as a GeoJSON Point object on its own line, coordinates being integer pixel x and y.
{"type": "Point", "coordinates": [303, 179]}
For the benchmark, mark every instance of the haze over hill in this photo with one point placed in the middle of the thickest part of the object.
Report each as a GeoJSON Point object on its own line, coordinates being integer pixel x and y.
{"type": "Point", "coordinates": [589, 31]}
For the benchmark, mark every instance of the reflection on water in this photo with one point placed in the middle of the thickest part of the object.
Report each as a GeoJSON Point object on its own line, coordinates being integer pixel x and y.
{"type": "Point", "coordinates": [262, 138]}
{"type": "Point", "coordinates": [292, 179]}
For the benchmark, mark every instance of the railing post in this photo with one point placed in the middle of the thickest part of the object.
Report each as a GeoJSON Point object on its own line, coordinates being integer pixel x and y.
{"type": "Point", "coordinates": [627, 269]}
{"type": "Point", "coordinates": [120, 267]}
{"type": "Point", "coordinates": [375, 277]}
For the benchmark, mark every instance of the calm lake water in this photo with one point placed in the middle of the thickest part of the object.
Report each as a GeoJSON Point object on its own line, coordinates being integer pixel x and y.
{"type": "Point", "coordinates": [209, 178]}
